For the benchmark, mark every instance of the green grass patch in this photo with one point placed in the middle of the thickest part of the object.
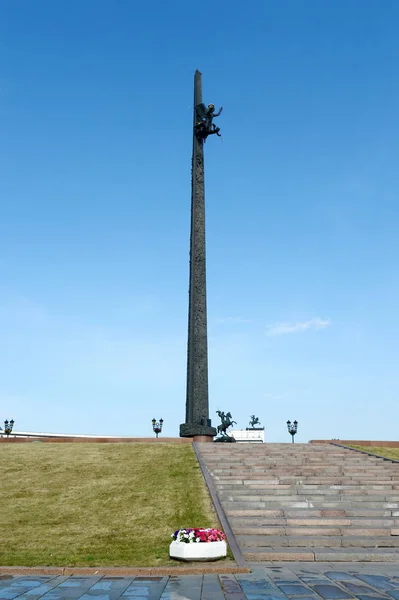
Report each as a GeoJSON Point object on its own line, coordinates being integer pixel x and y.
{"type": "Point", "coordinates": [98, 504]}
{"type": "Point", "coordinates": [380, 450]}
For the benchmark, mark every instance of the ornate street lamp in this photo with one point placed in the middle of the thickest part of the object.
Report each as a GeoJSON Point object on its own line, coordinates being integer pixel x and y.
{"type": "Point", "coordinates": [292, 428]}
{"type": "Point", "coordinates": [157, 426]}
{"type": "Point", "coordinates": [8, 425]}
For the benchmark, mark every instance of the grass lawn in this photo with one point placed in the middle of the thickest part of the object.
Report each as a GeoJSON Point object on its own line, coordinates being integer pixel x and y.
{"type": "Point", "coordinates": [98, 504]}
{"type": "Point", "coordinates": [388, 452]}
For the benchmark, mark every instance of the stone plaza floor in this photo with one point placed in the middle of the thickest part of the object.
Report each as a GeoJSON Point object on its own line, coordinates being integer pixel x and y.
{"type": "Point", "coordinates": [297, 581]}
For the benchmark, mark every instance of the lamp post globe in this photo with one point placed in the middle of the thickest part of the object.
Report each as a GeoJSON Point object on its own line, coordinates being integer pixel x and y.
{"type": "Point", "coordinates": [8, 426]}
{"type": "Point", "coordinates": [292, 429]}
{"type": "Point", "coordinates": [157, 426]}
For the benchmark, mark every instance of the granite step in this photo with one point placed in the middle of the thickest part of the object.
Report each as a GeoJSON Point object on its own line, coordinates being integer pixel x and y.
{"type": "Point", "coordinates": [306, 502]}
{"type": "Point", "coordinates": [290, 462]}
{"type": "Point", "coordinates": [239, 485]}
{"type": "Point", "coordinates": [312, 502]}
{"type": "Point", "coordinates": [307, 488]}
{"type": "Point", "coordinates": [300, 473]}
{"type": "Point", "coordinates": [303, 505]}
{"type": "Point", "coordinates": [314, 531]}
{"type": "Point", "coordinates": [299, 494]}
{"type": "Point", "coordinates": [322, 555]}
{"type": "Point", "coordinates": [315, 522]}
{"type": "Point", "coordinates": [316, 541]}
{"type": "Point", "coordinates": [312, 512]}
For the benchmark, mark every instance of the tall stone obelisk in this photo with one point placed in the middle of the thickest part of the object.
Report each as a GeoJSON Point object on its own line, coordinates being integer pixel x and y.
{"type": "Point", "coordinates": [197, 401]}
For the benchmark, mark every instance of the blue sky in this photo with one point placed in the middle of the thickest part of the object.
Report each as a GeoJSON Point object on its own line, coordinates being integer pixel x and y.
{"type": "Point", "coordinates": [302, 213]}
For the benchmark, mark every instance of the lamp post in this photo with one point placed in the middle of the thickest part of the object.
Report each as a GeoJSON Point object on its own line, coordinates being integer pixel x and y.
{"type": "Point", "coordinates": [292, 429]}
{"type": "Point", "coordinates": [8, 425]}
{"type": "Point", "coordinates": [157, 426]}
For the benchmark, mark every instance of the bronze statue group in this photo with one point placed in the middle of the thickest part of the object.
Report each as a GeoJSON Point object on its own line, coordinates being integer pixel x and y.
{"type": "Point", "coordinates": [226, 422]}
{"type": "Point", "coordinates": [204, 125]}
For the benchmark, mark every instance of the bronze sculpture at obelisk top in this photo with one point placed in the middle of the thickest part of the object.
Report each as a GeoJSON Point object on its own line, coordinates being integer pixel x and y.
{"type": "Point", "coordinates": [198, 425]}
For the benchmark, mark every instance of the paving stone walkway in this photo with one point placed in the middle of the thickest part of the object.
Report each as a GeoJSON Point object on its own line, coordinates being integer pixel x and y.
{"type": "Point", "coordinates": [296, 581]}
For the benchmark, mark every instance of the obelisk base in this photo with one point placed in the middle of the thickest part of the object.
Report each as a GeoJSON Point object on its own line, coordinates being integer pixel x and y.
{"type": "Point", "coordinates": [196, 429]}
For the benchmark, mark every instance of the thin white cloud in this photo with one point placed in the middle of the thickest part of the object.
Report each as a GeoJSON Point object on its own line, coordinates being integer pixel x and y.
{"type": "Point", "coordinates": [285, 328]}
{"type": "Point", "coordinates": [273, 397]}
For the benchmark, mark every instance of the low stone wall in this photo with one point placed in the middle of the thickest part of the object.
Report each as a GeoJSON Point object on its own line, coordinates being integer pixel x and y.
{"type": "Point", "coordinates": [383, 444]}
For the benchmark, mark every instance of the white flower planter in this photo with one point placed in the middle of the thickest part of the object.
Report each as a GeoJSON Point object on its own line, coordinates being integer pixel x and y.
{"type": "Point", "coordinates": [198, 551]}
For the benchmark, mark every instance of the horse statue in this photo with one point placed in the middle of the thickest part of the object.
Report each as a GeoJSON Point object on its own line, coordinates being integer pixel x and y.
{"type": "Point", "coordinates": [227, 421]}
{"type": "Point", "coordinates": [254, 421]}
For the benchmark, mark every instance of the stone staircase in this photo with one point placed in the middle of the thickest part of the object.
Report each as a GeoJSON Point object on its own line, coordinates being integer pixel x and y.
{"type": "Point", "coordinates": [304, 502]}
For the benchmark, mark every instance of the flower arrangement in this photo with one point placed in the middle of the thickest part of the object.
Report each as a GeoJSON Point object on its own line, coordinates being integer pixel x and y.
{"type": "Point", "coordinates": [197, 535]}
